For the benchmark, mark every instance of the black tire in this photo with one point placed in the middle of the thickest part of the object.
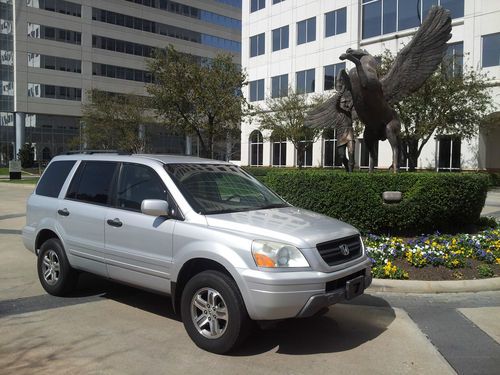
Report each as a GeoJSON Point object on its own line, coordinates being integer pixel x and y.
{"type": "Point", "coordinates": [62, 279]}
{"type": "Point", "coordinates": [237, 325]}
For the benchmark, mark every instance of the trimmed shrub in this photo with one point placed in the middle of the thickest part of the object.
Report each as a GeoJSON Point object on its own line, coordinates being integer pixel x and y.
{"type": "Point", "coordinates": [431, 202]}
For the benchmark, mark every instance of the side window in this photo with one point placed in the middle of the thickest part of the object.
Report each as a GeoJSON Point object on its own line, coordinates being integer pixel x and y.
{"type": "Point", "coordinates": [92, 182]}
{"type": "Point", "coordinates": [53, 179]}
{"type": "Point", "coordinates": [136, 183]}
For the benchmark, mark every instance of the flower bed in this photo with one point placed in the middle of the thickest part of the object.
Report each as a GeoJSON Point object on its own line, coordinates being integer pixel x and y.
{"type": "Point", "coordinates": [477, 255]}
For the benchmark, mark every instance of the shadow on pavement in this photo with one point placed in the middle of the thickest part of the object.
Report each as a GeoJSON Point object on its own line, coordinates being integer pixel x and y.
{"type": "Point", "coordinates": [342, 328]}
{"type": "Point", "coordinates": [91, 285]}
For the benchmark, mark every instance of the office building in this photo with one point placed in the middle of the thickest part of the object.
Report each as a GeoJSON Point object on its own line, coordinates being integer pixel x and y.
{"type": "Point", "coordinates": [54, 51]}
{"type": "Point", "coordinates": [297, 44]}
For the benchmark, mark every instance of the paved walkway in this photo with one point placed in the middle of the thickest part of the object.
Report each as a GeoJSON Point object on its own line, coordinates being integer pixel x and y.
{"type": "Point", "coordinates": [492, 204]}
{"type": "Point", "coordinates": [114, 329]}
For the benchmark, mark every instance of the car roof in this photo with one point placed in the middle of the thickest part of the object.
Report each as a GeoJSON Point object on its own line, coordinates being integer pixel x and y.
{"type": "Point", "coordinates": [164, 159]}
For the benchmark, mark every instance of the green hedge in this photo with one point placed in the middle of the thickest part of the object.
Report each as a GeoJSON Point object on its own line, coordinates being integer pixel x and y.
{"type": "Point", "coordinates": [446, 202]}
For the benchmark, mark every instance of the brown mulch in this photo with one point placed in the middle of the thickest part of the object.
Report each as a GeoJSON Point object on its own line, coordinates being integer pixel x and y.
{"type": "Point", "coordinates": [443, 273]}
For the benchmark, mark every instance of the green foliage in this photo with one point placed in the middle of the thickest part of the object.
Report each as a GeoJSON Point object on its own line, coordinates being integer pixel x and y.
{"type": "Point", "coordinates": [27, 155]}
{"type": "Point", "coordinates": [113, 121]}
{"type": "Point", "coordinates": [284, 118]}
{"type": "Point", "coordinates": [494, 179]}
{"type": "Point", "coordinates": [487, 222]}
{"type": "Point", "coordinates": [453, 101]}
{"type": "Point", "coordinates": [199, 98]}
{"type": "Point", "coordinates": [431, 201]}
{"type": "Point", "coordinates": [485, 271]}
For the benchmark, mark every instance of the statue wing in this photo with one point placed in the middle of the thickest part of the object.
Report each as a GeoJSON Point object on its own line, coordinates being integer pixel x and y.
{"type": "Point", "coordinates": [419, 58]}
{"type": "Point", "coordinates": [328, 114]}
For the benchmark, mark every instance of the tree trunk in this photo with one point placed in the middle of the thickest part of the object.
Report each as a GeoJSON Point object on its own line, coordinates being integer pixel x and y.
{"type": "Point", "coordinates": [413, 154]}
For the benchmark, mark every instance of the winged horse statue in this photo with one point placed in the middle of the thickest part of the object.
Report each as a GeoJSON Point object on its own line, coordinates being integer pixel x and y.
{"type": "Point", "coordinates": [363, 94]}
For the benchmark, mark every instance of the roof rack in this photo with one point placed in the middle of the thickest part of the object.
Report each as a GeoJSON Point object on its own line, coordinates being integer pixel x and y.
{"type": "Point", "coordinates": [91, 152]}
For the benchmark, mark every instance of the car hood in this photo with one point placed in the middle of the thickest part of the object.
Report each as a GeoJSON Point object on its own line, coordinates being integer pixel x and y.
{"type": "Point", "coordinates": [299, 227]}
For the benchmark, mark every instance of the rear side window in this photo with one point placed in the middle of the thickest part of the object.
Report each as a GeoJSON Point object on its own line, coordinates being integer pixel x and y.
{"type": "Point", "coordinates": [92, 182]}
{"type": "Point", "coordinates": [53, 179]}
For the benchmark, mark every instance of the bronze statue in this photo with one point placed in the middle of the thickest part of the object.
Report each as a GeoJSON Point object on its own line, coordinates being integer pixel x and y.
{"type": "Point", "coordinates": [372, 98]}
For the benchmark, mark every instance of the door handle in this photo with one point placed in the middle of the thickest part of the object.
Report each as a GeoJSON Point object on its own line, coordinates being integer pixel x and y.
{"type": "Point", "coordinates": [115, 222]}
{"type": "Point", "coordinates": [63, 212]}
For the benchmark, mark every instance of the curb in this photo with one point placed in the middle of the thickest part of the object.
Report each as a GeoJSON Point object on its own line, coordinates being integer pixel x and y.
{"type": "Point", "coordinates": [444, 286]}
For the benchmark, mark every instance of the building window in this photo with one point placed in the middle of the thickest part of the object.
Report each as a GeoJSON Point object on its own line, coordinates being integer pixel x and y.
{"type": "Point", "coordinates": [122, 46]}
{"type": "Point", "coordinates": [54, 33]}
{"type": "Point", "coordinates": [257, 45]}
{"type": "Point", "coordinates": [491, 50]}
{"type": "Point", "coordinates": [119, 72]}
{"type": "Point", "coordinates": [257, 90]}
{"type": "Point", "coordinates": [40, 90]}
{"type": "Point", "coordinates": [256, 148]}
{"type": "Point", "coordinates": [448, 153]}
{"type": "Point", "coordinates": [304, 158]}
{"type": "Point", "coordinates": [330, 157]}
{"type": "Point", "coordinates": [305, 81]}
{"type": "Point", "coordinates": [387, 16]}
{"type": "Point", "coordinates": [335, 22]}
{"type": "Point", "coordinates": [277, 1]}
{"type": "Point", "coordinates": [36, 60]}
{"type": "Point", "coordinates": [279, 86]}
{"type": "Point", "coordinates": [331, 74]}
{"type": "Point", "coordinates": [190, 11]}
{"type": "Point", "coordinates": [256, 5]}
{"type": "Point", "coordinates": [58, 6]}
{"type": "Point", "coordinates": [364, 155]}
{"type": "Point", "coordinates": [454, 59]}
{"type": "Point", "coordinates": [279, 151]}
{"type": "Point", "coordinates": [118, 19]}
{"type": "Point", "coordinates": [306, 31]}
{"type": "Point", "coordinates": [280, 38]}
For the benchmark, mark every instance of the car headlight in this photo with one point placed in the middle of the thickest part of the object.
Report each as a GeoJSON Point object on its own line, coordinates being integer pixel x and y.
{"type": "Point", "coordinates": [270, 254]}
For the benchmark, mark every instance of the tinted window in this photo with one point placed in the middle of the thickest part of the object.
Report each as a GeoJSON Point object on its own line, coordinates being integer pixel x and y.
{"type": "Point", "coordinates": [136, 183]}
{"type": "Point", "coordinates": [53, 179]}
{"type": "Point", "coordinates": [491, 50]}
{"type": "Point", "coordinates": [92, 182]}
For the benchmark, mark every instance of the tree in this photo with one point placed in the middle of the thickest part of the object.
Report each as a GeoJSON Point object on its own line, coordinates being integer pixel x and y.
{"type": "Point", "coordinates": [201, 98]}
{"type": "Point", "coordinates": [26, 155]}
{"type": "Point", "coordinates": [115, 121]}
{"type": "Point", "coordinates": [453, 101]}
{"type": "Point", "coordinates": [284, 118]}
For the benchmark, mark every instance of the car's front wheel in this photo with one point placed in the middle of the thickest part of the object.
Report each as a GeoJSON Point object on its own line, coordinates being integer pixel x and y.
{"type": "Point", "coordinates": [54, 271]}
{"type": "Point", "coordinates": [213, 312]}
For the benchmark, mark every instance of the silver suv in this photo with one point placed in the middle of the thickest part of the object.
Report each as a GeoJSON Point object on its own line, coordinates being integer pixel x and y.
{"type": "Point", "coordinates": [222, 245]}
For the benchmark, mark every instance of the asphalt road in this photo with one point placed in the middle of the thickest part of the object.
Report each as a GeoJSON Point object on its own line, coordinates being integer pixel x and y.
{"type": "Point", "coordinates": [106, 328]}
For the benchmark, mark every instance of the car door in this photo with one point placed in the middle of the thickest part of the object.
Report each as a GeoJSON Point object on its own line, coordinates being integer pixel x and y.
{"type": "Point", "coordinates": [81, 215]}
{"type": "Point", "coordinates": [138, 246]}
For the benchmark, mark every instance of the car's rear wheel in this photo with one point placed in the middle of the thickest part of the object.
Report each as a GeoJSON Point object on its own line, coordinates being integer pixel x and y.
{"type": "Point", "coordinates": [213, 312]}
{"type": "Point", "coordinates": [55, 274]}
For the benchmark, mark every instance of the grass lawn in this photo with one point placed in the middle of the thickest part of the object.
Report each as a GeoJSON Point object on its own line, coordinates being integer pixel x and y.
{"type": "Point", "coordinates": [4, 171]}
{"type": "Point", "coordinates": [31, 181]}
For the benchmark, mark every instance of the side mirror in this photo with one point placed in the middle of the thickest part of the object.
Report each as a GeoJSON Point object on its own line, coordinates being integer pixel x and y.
{"type": "Point", "coordinates": [154, 207]}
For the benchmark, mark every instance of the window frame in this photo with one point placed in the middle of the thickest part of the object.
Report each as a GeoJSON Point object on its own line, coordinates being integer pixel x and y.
{"type": "Point", "coordinates": [307, 36]}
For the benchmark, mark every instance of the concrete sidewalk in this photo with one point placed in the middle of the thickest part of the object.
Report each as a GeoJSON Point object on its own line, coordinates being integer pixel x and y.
{"type": "Point", "coordinates": [492, 204]}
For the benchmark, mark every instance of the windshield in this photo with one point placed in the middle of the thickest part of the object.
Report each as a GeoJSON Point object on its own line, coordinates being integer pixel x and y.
{"type": "Point", "coordinates": [217, 188]}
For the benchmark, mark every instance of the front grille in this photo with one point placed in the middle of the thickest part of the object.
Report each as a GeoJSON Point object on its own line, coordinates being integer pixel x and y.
{"type": "Point", "coordinates": [331, 251]}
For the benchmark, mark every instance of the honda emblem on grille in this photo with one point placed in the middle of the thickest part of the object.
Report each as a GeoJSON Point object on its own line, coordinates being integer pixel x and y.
{"type": "Point", "coordinates": [344, 249]}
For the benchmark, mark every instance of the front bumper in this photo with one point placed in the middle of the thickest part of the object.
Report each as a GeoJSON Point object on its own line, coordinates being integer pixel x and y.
{"type": "Point", "coordinates": [282, 295]}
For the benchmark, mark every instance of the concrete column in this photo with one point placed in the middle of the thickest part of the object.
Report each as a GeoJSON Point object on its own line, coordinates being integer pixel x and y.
{"type": "Point", "coordinates": [20, 132]}
{"type": "Point", "coordinates": [189, 148]}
